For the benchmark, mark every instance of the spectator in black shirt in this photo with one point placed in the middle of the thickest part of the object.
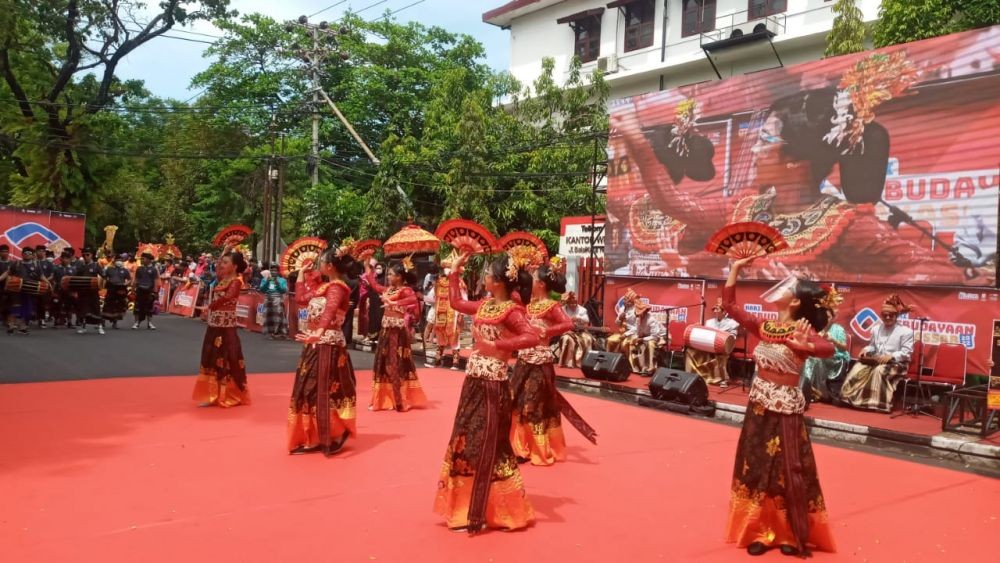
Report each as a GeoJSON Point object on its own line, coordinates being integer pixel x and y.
{"type": "Point", "coordinates": [147, 288]}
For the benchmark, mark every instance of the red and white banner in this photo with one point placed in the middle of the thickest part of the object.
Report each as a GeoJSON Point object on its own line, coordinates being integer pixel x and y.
{"type": "Point", "coordinates": [32, 227]}
{"type": "Point", "coordinates": [958, 316]}
{"type": "Point", "coordinates": [183, 301]}
{"type": "Point", "coordinates": [877, 167]}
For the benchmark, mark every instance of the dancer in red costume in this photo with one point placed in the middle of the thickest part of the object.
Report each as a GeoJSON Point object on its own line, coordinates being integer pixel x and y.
{"type": "Point", "coordinates": [480, 483]}
{"type": "Point", "coordinates": [536, 429]}
{"type": "Point", "coordinates": [394, 381]}
{"type": "Point", "coordinates": [323, 407]}
{"type": "Point", "coordinates": [776, 500]}
{"type": "Point", "coordinates": [222, 380]}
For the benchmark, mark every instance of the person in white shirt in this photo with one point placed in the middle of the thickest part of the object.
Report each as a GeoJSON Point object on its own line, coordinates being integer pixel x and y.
{"type": "Point", "coordinates": [574, 345]}
{"type": "Point", "coordinates": [645, 340]}
{"type": "Point", "coordinates": [882, 364]}
{"type": "Point", "coordinates": [710, 366]}
{"type": "Point", "coordinates": [625, 322]}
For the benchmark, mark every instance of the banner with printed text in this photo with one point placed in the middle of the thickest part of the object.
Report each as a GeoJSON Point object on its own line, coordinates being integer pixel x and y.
{"type": "Point", "coordinates": [877, 167]}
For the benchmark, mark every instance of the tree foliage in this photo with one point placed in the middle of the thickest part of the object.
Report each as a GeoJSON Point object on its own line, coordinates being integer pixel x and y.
{"type": "Point", "coordinates": [902, 21]}
{"type": "Point", "coordinates": [848, 33]}
{"type": "Point", "coordinates": [420, 96]}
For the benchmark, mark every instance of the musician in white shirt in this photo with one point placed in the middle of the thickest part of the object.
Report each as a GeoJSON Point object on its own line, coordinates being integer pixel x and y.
{"type": "Point", "coordinates": [575, 344]}
{"type": "Point", "coordinates": [644, 340]}
{"type": "Point", "coordinates": [712, 367]}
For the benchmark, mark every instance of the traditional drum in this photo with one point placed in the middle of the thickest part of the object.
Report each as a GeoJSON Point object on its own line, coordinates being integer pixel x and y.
{"type": "Point", "coordinates": [79, 283]}
{"type": "Point", "coordinates": [709, 339]}
{"type": "Point", "coordinates": [29, 287]}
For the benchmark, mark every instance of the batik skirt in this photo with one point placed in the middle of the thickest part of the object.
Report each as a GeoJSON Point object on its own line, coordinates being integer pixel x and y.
{"type": "Point", "coordinates": [394, 381]}
{"type": "Point", "coordinates": [115, 303]}
{"type": "Point", "coordinates": [536, 426]}
{"type": "Point", "coordinates": [776, 497]}
{"type": "Point", "coordinates": [573, 346]}
{"type": "Point", "coordinates": [324, 370]}
{"type": "Point", "coordinates": [480, 484]}
{"type": "Point", "coordinates": [222, 379]}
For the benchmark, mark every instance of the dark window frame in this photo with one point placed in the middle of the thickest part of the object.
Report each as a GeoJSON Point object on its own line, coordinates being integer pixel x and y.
{"type": "Point", "coordinates": [587, 48]}
{"type": "Point", "coordinates": [643, 31]}
{"type": "Point", "coordinates": [768, 9]}
{"type": "Point", "coordinates": [701, 24]}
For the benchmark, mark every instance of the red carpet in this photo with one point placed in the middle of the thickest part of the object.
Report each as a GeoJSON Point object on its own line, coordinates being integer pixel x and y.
{"type": "Point", "coordinates": [129, 470]}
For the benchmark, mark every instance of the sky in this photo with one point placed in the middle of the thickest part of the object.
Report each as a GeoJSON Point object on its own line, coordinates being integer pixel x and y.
{"type": "Point", "coordinates": [167, 65]}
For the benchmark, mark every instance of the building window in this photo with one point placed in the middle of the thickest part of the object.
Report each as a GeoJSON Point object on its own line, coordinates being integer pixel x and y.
{"type": "Point", "coordinates": [639, 24]}
{"type": "Point", "coordinates": [698, 17]}
{"type": "Point", "coordinates": [764, 8]}
{"type": "Point", "coordinates": [588, 39]}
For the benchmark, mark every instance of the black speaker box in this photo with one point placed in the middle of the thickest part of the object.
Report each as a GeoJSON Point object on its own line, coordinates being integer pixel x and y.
{"type": "Point", "coordinates": [678, 387]}
{"type": "Point", "coordinates": [608, 366]}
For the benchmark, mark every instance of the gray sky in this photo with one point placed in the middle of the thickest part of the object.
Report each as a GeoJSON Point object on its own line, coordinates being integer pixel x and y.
{"type": "Point", "coordinates": [167, 65]}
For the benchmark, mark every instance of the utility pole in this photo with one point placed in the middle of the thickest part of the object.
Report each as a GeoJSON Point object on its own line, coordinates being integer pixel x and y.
{"type": "Point", "coordinates": [323, 41]}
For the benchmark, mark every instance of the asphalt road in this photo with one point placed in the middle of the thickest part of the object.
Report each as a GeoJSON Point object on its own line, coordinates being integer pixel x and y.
{"type": "Point", "coordinates": [173, 349]}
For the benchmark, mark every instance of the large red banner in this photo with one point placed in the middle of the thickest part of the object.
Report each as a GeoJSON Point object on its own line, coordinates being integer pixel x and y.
{"type": "Point", "coordinates": [878, 167]}
{"type": "Point", "coordinates": [957, 316]}
{"type": "Point", "coordinates": [32, 227]}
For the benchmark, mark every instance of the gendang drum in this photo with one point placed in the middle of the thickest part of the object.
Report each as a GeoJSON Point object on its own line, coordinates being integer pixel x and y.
{"type": "Point", "coordinates": [709, 339]}
{"type": "Point", "coordinates": [28, 287]}
{"type": "Point", "coordinates": [79, 283]}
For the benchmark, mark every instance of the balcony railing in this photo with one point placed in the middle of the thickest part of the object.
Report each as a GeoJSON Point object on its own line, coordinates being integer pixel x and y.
{"type": "Point", "coordinates": [737, 28]}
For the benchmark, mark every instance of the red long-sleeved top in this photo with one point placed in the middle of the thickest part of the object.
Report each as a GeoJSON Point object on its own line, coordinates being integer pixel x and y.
{"type": "Point", "coordinates": [517, 333]}
{"type": "Point", "coordinates": [822, 347]}
{"type": "Point", "coordinates": [226, 297]}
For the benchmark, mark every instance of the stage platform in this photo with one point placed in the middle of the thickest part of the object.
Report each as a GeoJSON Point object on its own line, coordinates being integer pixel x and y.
{"type": "Point", "coordinates": [126, 469]}
{"type": "Point", "coordinates": [921, 433]}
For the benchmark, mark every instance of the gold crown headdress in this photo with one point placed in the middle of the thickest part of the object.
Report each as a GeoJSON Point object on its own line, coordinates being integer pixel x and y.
{"type": "Point", "coordinates": [684, 117]}
{"type": "Point", "coordinates": [345, 247]}
{"type": "Point", "coordinates": [557, 265]}
{"type": "Point", "coordinates": [522, 257]}
{"type": "Point", "coordinates": [832, 299]}
{"type": "Point", "coordinates": [408, 263]}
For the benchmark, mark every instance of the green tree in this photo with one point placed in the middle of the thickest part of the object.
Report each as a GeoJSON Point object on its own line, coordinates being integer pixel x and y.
{"type": "Point", "coordinates": [58, 60]}
{"type": "Point", "coordinates": [902, 21]}
{"type": "Point", "coordinates": [848, 33]}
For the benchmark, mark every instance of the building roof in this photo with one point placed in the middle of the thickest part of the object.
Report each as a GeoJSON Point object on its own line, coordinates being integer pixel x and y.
{"type": "Point", "coordinates": [503, 15]}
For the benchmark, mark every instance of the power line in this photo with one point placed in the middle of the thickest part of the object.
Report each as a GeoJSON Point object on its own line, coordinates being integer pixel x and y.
{"type": "Point", "coordinates": [334, 5]}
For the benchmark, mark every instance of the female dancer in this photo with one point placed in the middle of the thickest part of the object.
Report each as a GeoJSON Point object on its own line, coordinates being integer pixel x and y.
{"type": "Point", "coordinates": [819, 373]}
{"type": "Point", "coordinates": [536, 429]}
{"type": "Point", "coordinates": [394, 381]}
{"type": "Point", "coordinates": [321, 415]}
{"type": "Point", "coordinates": [480, 483]}
{"type": "Point", "coordinates": [776, 498]}
{"type": "Point", "coordinates": [222, 379]}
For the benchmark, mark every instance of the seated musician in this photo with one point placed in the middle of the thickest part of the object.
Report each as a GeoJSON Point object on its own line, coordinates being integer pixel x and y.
{"type": "Point", "coordinates": [882, 364]}
{"type": "Point", "coordinates": [645, 340]}
{"type": "Point", "coordinates": [575, 344]}
{"type": "Point", "coordinates": [712, 367]}
{"type": "Point", "coordinates": [625, 322]}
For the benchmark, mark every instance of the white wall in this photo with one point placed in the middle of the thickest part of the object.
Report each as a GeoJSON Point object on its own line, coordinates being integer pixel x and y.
{"type": "Point", "coordinates": [537, 35]}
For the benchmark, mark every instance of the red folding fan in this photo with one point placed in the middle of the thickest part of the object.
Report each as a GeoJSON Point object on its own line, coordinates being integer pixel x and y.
{"type": "Point", "coordinates": [743, 240]}
{"type": "Point", "coordinates": [232, 235]}
{"type": "Point", "coordinates": [467, 236]}
{"type": "Point", "coordinates": [522, 238]}
{"type": "Point", "coordinates": [299, 253]}
{"type": "Point", "coordinates": [365, 249]}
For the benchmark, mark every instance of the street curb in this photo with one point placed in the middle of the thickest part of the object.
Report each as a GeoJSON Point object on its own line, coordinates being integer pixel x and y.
{"type": "Point", "coordinates": [945, 445]}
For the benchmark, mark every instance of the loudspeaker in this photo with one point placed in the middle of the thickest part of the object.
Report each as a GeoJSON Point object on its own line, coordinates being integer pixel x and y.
{"type": "Point", "coordinates": [609, 366]}
{"type": "Point", "coordinates": [678, 387]}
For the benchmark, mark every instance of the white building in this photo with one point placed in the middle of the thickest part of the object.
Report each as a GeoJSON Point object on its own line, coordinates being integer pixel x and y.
{"type": "Point", "coordinates": [650, 45]}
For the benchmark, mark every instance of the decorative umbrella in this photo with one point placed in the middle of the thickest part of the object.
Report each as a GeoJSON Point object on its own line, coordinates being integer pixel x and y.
{"type": "Point", "coordinates": [411, 239]}
{"type": "Point", "coordinates": [232, 235]}
{"type": "Point", "coordinates": [467, 236]}
{"type": "Point", "coordinates": [299, 252]}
